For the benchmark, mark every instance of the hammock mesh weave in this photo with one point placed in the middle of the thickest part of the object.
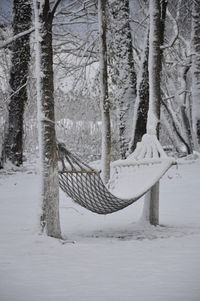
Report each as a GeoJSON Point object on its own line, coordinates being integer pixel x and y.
{"type": "Point", "coordinates": [85, 186]}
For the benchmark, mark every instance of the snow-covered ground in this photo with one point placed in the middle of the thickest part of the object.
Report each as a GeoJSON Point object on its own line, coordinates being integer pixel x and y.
{"type": "Point", "coordinates": [113, 258]}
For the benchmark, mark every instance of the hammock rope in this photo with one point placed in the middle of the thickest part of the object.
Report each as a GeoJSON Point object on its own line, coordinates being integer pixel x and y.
{"type": "Point", "coordinates": [84, 184]}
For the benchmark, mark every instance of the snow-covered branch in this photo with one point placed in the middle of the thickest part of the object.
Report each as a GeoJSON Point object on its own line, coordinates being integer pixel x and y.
{"type": "Point", "coordinates": [12, 39]}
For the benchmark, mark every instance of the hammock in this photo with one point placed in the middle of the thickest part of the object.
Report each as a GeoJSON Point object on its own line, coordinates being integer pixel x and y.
{"type": "Point", "coordinates": [84, 185]}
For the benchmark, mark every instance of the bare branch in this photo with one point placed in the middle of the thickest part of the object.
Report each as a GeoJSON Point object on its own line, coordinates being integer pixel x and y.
{"type": "Point", "coordinates": [176, 32]}
{"type": "Point", "coordinates": [73, 23]}
{"type": "Point", "coordinates": [55, 7]}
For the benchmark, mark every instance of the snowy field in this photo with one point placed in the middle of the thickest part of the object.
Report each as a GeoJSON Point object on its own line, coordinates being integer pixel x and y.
{"type": "Point", "coordinates": [113, 258]}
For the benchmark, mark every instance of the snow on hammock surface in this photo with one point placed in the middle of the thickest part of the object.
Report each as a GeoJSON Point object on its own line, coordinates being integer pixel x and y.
{"type": "Point", "coordinates": [114, 257]}
{"type": "Point", "coordinates": [130, 179]}
{"type": "Point", "coordinates": [135, 180]}
{"type": "Point", "coordinates": [141, 170]}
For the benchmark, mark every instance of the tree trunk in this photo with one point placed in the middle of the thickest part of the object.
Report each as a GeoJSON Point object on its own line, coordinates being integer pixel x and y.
{"type": "Point", "coordinates": [124, 63]}
{"type": "Point", "coordinates": [13, 143]}
{"type": "Point", "coordinates": [105, 105]}
{"type": "Point", "coordinates": [142, 101]}
{"type": "Point", "coordinates": [157, 16]}
{"type": "Point", "coordinates": [155, 41]}
{"type": "Point", "coordinates": [171, 133]}
{"type": "Point", "coordinates": [195, 41]}
{"type": "Point", "coordinates": [176, 128]}
{"type": "Point", "coordinates": [47, 139]}
{"type": "Point", "coordinates": [186, 125]}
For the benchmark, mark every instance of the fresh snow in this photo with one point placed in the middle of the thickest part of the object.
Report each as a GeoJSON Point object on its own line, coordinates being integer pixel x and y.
{"type": "Point", "coordinates": [113, 258]}
{"type": "Point", "coordinates": [144, 167]}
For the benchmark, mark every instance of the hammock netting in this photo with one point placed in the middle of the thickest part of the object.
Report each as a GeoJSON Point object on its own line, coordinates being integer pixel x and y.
{"type": "Point", "coordinates": [84, 185]}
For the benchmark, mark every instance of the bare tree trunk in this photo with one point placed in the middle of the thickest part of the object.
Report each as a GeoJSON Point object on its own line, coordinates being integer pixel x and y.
{"type": "Point", "coordinates": [13, 143]}
{"type": "Point", "coordinates": [105, 105]}
{"type": "Point", "coordinates": [45, 95]}
{"type": "Point", "coordinates": [195, 41]}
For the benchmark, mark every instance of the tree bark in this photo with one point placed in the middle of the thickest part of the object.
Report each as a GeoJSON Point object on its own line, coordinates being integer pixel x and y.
{"type": "Point", "coordinates": [49, 219]}
{"type": "Point", "coordinates": [170, 132]}
{"type": "Point", "coordinates": [13, 142]}
{"type": "Point", "coordinates": [123, 61]}
{"type": "Point", "coordinates": [155, 41]}
{"type": "Point", "coordinates": [105, 105]}
{"type": "Point", "coordinates": [142, 101]}
{"type": "Point", "coordinates": [195, 41]}
{"type": "Point", "coordinates": [157, 11]}
{"type": "Point", "coordinates": [186, 124]}
{"type": "Point", "coordinates": [175, 127]}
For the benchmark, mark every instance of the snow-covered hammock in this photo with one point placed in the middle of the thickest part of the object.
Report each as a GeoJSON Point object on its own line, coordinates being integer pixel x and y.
{"type": "Point", "coordinates": [84, 185]}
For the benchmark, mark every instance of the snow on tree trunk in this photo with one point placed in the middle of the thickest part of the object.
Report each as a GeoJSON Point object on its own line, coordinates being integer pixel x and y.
{"type": "Point", "coordinates": [171, 133]}
{"type": "Point", "coordinates": [142, 102]}
{"type": "Point", "coordinates": [177, 130]}
{"type": "Point", "coordinates": [151, 205]}
{"type": "Point", "coordinates": [122, 57]}
{"type": "Point", "coordinates": [184, 108]}
{"type": "Point", "coordinates": [195, 41]}
{"type": "Point", "coordinates": [13, 143]}
{"type": "Point", "coordinates": [105, 105]}
{"type": "Point", "coordinates": [153, 121]}
{"type": "Point", "coordinates": [49, 219]}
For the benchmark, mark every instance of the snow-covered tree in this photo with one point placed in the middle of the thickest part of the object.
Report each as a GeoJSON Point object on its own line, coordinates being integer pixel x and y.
{"type": "Point", "coordinates": [105, 104]}
{"type": "Point", "coordinates": [195, 41]}
{"type": "Point", "coordinates": [20, 47]}
{"type": "Point", "coordinates": [151, 205]}
{"type": "Point", "coordinates": [142, 100]}
{"type": "Point", "coordinates": [49, 219]}
{"type": "Point", "coordinates": [176, 78]}
{"type": "Point", "coordinates": [122, 63]}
